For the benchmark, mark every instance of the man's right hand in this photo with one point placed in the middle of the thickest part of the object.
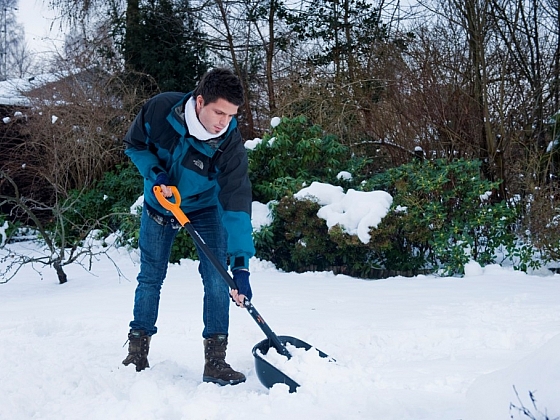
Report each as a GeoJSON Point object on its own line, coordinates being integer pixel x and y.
{"type": "Point", "coordinates": [162, 181]}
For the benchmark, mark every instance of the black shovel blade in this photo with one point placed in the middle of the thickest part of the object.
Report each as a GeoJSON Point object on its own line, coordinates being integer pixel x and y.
{"type": "Point", "coordinates": [266, 372]}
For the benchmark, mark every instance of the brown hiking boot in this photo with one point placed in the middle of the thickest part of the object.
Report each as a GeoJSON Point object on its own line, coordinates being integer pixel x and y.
{"type": "Point", "coordinates": [138, 347]}
{"type": "Point", "coordinates": [216, 369]}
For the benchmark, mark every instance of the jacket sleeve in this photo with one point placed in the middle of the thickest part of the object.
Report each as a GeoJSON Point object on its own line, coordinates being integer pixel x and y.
{"type": "Point", "coordinates": [235, 198]}
{"type": "Point", "coordinates": [137, 142]}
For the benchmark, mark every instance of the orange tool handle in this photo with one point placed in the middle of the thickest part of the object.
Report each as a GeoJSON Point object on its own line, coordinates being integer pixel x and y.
{"type": "Point", "coordinates": [172, 207]}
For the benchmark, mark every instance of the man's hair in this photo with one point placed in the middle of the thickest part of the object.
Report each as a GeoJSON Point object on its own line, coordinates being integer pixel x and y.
{"type": "Point", "coordinates": [220, 83]}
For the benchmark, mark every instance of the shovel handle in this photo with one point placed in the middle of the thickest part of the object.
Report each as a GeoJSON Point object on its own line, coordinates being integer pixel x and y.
{"type": "Point", "coordinates": [174, 207]}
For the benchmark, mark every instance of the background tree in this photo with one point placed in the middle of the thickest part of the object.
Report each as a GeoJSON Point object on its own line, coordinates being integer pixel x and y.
{"type": "Point", "coordinates": [529, 33]}
{"type": "Point", "coordinates": [465, 73]}
{"type": "Point", "coordinates": [167, 45]}
{"type": "Point", "coordinates": [349, 58]}
{"type": "Point", "coordinates": [231, 43]}
{"type": "Point", "coordinates": [15, 58]}
{"type": "Point", "coordinates": [159, 40]}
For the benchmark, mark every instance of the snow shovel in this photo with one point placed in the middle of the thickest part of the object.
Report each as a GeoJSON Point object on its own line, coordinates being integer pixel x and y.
{"type": "Point", "coordinates": [266, 372]}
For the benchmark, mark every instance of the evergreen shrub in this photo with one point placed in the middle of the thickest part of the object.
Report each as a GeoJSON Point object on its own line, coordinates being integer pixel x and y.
{"type": "Point", "coordinates": [295, 154]}
{"type": "Point", "coordinates": [298, 240]}
{"type": "Point", "coordinates": [183, 247]}
{"type": "Point", "coordinates": [444, 215]}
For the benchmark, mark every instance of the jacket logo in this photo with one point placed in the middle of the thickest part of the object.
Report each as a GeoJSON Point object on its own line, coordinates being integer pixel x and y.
{"type": "Point", "coordinates": [199, 164]}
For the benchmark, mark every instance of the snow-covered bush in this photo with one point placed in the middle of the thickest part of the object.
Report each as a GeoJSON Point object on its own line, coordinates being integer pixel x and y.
{"type": "Point", "coordinates": [296, 153]}
{"type": "Point", "coordinates": [444, 217]}
{"type": "Point", "coordinates": [297, 239]}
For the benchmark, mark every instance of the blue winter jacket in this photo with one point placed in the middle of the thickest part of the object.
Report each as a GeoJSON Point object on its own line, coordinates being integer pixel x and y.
{"type": "Point", "coordinates": [206, 173]}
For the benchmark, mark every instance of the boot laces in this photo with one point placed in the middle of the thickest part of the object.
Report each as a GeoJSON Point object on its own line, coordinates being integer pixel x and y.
{"type": "Point", "coordinates": [139, 346]}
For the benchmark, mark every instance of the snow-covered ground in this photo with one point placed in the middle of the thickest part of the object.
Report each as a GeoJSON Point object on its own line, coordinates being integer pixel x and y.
{"type": "Point", "coordinates": [405, 348]}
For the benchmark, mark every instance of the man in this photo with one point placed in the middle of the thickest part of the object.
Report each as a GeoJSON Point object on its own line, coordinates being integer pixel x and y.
{"type": "Point", "coordinates": [192, 141]}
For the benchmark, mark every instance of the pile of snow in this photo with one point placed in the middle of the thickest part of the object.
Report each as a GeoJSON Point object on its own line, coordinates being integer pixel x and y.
{"type": "Point", "coordinates": [355, 211]}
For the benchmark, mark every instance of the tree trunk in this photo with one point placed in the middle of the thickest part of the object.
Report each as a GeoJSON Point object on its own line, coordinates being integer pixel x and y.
{"type": "Point", "coordinates": [62, 278]}
{"type": "Point", "coordinates": [237, 67]}
{"type": "Point", "coordinates": [269, 58]}
{"type": "Point", "coordinates": [132, 30]}
{"type": "Point", "coordinates": [476, 18]}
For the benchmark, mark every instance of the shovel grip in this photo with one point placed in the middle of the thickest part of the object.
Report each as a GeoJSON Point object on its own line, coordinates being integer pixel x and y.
{"type": "Point", "coordinates": [175, 207]}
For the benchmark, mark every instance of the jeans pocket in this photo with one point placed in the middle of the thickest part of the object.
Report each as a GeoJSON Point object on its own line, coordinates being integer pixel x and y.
{"type": "Point", "coordinates": [158, 218]}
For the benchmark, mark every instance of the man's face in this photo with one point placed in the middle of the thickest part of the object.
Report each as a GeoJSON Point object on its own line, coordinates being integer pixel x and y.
{"type": "Point", "coordinates": [215, 116]}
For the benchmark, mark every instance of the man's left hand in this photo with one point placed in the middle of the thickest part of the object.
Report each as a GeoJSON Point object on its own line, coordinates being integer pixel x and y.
{"type": "Point", "coordinates": [243, 290]}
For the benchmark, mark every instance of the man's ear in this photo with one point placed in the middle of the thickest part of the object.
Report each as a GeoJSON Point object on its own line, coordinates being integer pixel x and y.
{"type": "Point", "coordinates": [199, 103]}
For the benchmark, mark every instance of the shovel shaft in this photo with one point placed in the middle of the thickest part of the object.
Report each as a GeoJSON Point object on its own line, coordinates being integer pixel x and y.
{"type": "Point", "coordinates": [185, 222]}
{"type": "Point", "coordinates": [280, 348]}
{"type": "Point", "coordinates": [211, 256]}
{"type": "Point", "coordinates": [274, 340]}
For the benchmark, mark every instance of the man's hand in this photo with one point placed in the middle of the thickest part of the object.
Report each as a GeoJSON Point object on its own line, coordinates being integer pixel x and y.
{"type": "Point", "coordinates": [162, 181]}
{"type": "Point", "coordinates": [241, 280]}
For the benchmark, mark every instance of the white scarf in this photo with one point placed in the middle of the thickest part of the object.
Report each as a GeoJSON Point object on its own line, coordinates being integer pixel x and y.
{"type": "Point", "coordinates": [196, 129]}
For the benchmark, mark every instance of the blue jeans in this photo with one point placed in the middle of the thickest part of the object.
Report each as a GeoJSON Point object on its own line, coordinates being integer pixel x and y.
{"type": "Point", "coordinates": [156, 238]}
